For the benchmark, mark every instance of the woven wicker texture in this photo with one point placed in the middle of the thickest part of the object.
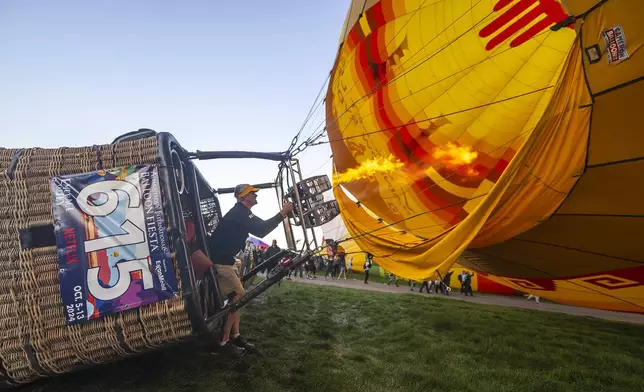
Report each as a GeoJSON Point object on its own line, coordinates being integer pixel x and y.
{"type": "Point", "coordinates": [35, 339]}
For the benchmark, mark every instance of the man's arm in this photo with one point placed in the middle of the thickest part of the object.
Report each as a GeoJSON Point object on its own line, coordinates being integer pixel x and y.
{"type": "Point", "coordinates": [262, 228]}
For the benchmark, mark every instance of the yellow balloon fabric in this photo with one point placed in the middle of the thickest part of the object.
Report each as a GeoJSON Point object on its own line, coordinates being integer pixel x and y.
{"type": "Point", "coordinates": [472, 131]}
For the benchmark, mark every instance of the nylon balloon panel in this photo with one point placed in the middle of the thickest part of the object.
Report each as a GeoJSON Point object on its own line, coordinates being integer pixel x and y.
{"type": "Point", "coordinates": [618, 111]}
{"type": "Point", "coordinates": [608, 191]}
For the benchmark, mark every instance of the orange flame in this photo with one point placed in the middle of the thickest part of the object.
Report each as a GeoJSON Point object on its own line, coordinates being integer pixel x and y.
{"type": "Point", "coordinates": [368, 169]}
{"type": "Point", "coordinates": [456, 157]}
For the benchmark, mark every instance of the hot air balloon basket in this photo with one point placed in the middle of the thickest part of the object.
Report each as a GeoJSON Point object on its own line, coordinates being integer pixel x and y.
{"type": "Point", "coordinates": [93, 254]}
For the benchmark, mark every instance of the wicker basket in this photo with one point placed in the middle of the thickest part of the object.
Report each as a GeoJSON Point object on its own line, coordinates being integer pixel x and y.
{"type": "Point", "coordinates": [36, 340]}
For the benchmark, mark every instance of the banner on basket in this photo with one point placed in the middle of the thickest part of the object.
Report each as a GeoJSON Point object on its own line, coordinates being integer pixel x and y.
{"type": "Point", "coordinates": [113, 250]}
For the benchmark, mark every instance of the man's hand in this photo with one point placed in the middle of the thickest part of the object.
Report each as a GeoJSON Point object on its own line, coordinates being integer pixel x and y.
{"type": "Point", "coordinates": [286, 209]}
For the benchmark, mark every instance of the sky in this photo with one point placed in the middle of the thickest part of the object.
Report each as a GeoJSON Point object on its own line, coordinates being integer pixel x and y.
{"type": "Point", "coordinates": [217, 75]}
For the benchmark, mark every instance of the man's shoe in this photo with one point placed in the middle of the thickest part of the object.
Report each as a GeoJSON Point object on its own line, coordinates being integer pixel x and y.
{"type": "Point", "coordinates": [241, 343]}
{"type": "Point", "coordinates": [231, 349]}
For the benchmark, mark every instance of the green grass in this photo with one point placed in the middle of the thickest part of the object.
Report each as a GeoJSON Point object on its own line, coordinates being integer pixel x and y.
{"type": "Point", "coordinates": [332, 339]}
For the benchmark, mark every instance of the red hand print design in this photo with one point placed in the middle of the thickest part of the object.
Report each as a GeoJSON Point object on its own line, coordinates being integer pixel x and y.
{"type": "Point", "coordinates": [552, 11]}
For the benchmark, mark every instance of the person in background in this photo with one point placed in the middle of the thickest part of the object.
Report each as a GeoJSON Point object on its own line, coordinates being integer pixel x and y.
{"type": "Point", "coordinates": [342, 262]}
{"type": "Point", "coordinates": [435, 285]}
{"type": "Point", "coordinates": [271, 250]}
{"type": "Point", "coordinates": [298, 269]}
{"type": "Point", "coordinates": [330, 252]}
{"type": "Point", "coordinates": [467, 284]}
{"type": "Point", "coordinates": [269, 253]}
{"type": "Point", "coordinates": [257, 256]}
{"type": "Point", "coordinates": [321, 263]}
{"type": "Point", "coordinates": [367, 266]}
{"type": "Point", "coordinates": [447, 280]}
{"type": "Point", "coordinates": [227, 240]}
{"type": "Point", "coordinates": [329, 269]}
{"type": "Point", "coordinates": [461, 278]}
{"type": "Point", "coordinates": [311, 268]}
{"type": "Point", "coordinates": [392, 278]}
{"type": "Point", "coordinates": [335, 270]}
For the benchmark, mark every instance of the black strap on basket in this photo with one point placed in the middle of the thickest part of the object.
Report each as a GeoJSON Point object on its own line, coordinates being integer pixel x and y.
{"type": "Point", "coordinates": [14, 163]}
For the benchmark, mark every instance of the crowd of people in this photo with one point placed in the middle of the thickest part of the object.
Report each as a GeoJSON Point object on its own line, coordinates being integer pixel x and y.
{"type": "Point", "coordinates": [336, 267]}
{"type": "Point", "coordinates": [337, 264]}
{"type": "Point", "coordinates": [442, 286]}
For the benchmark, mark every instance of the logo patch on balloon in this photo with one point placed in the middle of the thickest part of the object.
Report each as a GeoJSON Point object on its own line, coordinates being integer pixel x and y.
{"type": "Point", "coordinates": [615, 41]}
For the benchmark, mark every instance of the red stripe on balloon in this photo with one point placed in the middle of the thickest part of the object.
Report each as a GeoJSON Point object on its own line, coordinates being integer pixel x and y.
{"type": "Point", "coordinates": [514, 27]}
{"type": "Point", "coordinates": [531, 32]}
{"type": "Point", "coordinates": [506, 17]}
{"type": "Point", "coordinates": [501, 4]}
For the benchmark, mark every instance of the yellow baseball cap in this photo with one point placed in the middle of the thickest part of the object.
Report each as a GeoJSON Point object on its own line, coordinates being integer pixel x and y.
{"type": "Point", "coordinates": [242, 190]}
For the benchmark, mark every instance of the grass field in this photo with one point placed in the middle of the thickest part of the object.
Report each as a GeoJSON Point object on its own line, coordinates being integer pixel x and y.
{"type": "Point", "coordinates": [332, 339]}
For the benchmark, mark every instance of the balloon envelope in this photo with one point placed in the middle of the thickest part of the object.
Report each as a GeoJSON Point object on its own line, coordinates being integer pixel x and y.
{"type": "Point", "coordinates": [474, 131]}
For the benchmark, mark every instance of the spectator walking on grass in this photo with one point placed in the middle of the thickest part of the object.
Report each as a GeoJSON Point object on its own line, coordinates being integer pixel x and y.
{"type": "Point", "coordinates": [392, 278]}
{"type": "Point", "coordinates": [467, 284]}
{"type": "Point", "coordinates": [367, 266]}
